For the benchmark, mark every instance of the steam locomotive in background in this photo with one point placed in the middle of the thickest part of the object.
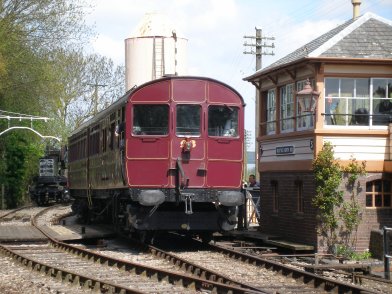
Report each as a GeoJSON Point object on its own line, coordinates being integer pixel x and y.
{"type": "Point", "coordinates": [49, 185]}
{"type": "Point", "coordinates": [167, 156]}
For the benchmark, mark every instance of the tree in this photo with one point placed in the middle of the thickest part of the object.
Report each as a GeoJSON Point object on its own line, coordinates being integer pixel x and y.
{"type": "Point", "coordinates": [337, 218]}
{"type": "Point", "coordinates": [328, 176]}
{"type": "Point", "coordinates": [82, 86]}
{"type": "Point", "coordinates": [29, 31]}
{"type": "Point", "coordinates": [44, 24]}
{"type": "Point", "coordinates": [44, 72]}
{"type": "Point", "coordinates": [350, 212]}
{"type": "Point", "coordinates": [19, 162]}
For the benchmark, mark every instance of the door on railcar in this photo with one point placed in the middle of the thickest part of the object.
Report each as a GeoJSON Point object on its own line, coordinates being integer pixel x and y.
{"type": "Point", "coordinates": [148, 140]}
{"type": "Point", "coordinates": [78, 161]}
{"type": "Point", "coordinates": [188, 142]}
{"type": "Point", "coordinates": [225, 137]}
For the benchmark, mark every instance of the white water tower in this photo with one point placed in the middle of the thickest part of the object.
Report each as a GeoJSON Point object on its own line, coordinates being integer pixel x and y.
{"type": "Point", "coordinates": [153, 51]}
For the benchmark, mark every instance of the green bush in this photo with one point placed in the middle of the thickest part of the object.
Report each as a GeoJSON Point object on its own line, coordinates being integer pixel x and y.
{"type": "Point", "coordinates": [338, 219]}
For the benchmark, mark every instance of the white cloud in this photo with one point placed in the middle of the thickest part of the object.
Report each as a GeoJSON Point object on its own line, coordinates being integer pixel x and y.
{"type": "Point", "coordinates": [215, 30]}
{"type": "Point", "coordinates": [111, 48]}
{"type": "Point", "coordinates": [216, 14]}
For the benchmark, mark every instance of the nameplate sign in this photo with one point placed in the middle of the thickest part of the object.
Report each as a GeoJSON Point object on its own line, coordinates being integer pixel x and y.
{"type": "Point", "coordinates": [285, 150]}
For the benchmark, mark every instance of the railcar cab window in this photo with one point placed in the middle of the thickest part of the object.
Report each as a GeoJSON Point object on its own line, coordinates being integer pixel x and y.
{"type": "Point", "coordinates": [223, 121]}
{"type": "Point", "coordinates": [150, 120]}
{"type": "Point", "coordinates": [188, 120]}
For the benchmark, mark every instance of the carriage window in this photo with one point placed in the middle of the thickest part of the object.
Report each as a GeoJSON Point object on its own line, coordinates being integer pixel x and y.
{"type": "Point", "coordinates": [223, 121]}
{"type": "Point", "coordinates": [150, 120]}
{"type": "Point", "coordinates": [188, 120]}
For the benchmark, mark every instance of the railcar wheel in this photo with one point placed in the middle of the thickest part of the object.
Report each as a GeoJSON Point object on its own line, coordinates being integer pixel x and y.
{"type": "Point", "coordinates": [206, 237]}
{"type": "Point", "coordinates": [41, 200]}
{"type": "Point", "coordinates": [80, 208]}
{"type": "Point", "coordinates": [146, 237]}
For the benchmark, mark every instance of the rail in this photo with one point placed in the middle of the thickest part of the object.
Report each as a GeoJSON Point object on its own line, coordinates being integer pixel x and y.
{"type": "Point", "coordinates": [212, 284]}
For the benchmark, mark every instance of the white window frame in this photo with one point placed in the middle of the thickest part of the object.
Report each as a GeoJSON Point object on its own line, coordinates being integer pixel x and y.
{"type": "Point", "coordinates": [271, 112]}
{"type": "Point", "coordinates": [372, 103]}
{"type": "Point", "coordinates": [287, 108]}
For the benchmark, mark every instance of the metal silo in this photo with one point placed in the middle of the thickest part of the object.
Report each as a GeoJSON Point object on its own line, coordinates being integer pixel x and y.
{"type": "Point", "coordinates": [154, 50]}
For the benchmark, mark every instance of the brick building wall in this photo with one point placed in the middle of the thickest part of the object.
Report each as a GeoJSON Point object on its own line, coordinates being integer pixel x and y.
{"type": "Point", "coordinates": [287, 222]}
{"type": "Point", "coordinates": [290, 225]}
{"type": "Point", "coordinates": [373, 219]}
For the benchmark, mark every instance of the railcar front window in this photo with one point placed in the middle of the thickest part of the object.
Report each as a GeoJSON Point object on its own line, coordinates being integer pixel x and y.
{"type": "Point", "coordinates": [150, 120]}
{"type": "Point", "coordinates": [223, 121]}
{"type": "Point", "coordinates": [188, 120]}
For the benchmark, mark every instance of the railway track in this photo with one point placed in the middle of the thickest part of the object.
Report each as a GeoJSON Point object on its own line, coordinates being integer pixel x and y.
{"type": "Point", "coordinates": [90, 274]}
{"type": "Point", "coordinates": [266, 275]}
{"type": "Point", "coordinates": [207, 263]}
{"type": "Point", "coordinates": [158, 270]}
{"type": "Point", "coordinates": [18, 216]}
{"type": "Point", "coordinates": [93, 271]}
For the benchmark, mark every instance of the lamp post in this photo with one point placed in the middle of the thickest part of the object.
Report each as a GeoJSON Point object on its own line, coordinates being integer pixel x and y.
{"type": "Point", "coordinates": [307, 98]}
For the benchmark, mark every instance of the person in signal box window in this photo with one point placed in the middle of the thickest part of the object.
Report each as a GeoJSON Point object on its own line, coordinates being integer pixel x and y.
{"type": "Point", "coordinates": [253, 182]}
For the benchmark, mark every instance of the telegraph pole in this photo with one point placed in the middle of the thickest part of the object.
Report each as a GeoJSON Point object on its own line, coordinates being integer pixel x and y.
{"type": "Point", "coordinates": [95, 96]}
{"type": "Point", "coordinates": [256, 42]}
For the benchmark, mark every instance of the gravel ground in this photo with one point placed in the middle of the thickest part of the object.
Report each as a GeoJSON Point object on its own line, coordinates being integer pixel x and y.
{"type": "Point", "coordinates": [15, 279]}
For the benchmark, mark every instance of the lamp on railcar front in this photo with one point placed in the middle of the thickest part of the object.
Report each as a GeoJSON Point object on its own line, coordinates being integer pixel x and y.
{"type": "Point", "coordinates": [186, 145]}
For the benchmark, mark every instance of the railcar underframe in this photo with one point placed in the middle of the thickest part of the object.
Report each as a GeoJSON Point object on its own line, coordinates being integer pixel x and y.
{"type": "Point", "coordinates": [193, 210]}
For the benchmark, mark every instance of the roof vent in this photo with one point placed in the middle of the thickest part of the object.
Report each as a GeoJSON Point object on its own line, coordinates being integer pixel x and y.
{"type": "Point", "coordinates": [356, 4]}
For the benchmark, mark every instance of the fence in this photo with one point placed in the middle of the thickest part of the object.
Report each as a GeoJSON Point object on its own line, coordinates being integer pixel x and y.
{"type": "Point", "coordinates": [252, 206]}
{"type": "Point", "coordinates": [387, 255]}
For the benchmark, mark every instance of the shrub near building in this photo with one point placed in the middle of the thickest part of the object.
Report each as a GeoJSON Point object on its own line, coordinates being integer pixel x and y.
{"type": "Point", "coordinates": [338, 219]}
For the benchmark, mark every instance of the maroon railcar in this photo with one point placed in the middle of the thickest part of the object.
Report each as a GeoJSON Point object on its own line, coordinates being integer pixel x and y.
{"type": "Point", "coordinates": [166, 156]}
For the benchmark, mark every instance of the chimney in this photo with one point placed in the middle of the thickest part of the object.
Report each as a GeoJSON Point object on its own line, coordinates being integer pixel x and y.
{"type": "Point", "coordinates": [356, 4]}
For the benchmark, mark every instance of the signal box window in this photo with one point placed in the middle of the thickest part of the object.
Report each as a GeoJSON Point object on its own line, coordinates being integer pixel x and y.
{"type": "Point", "coordinates": [150, 120]}
{"type": "Point", "coordinates": [271, 112]}
{"type": "Point", "coordinates": [378, 194]}
{"type": "Point", "coordinates": [287, 107]}
{"type": "Point", "coordinates": [188, 120]}
{"type": "Point", "coordinates": [347, 102]}
{"type": "Point", "coordinates": [223, 121]}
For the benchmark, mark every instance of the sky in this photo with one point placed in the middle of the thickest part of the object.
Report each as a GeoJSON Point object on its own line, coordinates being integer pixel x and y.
{"type": "Point", "coordinates": [215, 30]}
